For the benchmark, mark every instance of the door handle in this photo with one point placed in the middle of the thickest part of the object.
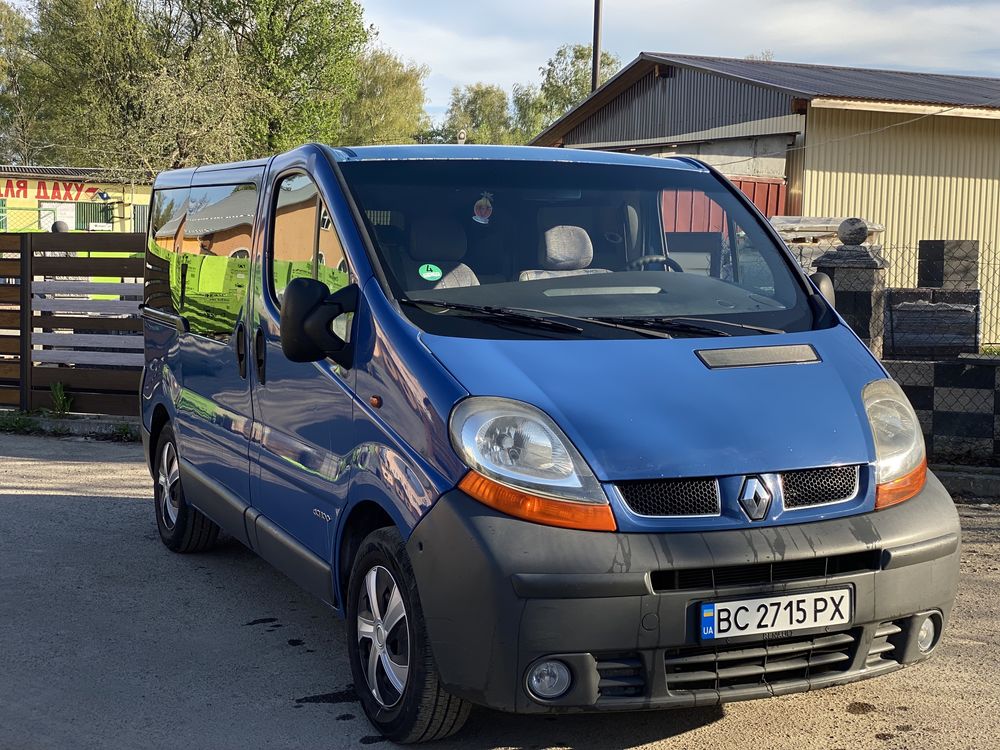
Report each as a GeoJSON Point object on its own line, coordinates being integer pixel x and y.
{"type": "Point", "coordinates": [241, 349]}
{"type": "Point", "coordinates": [259, 354]}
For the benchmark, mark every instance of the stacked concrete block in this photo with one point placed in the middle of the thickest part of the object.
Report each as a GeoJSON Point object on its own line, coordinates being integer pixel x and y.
{"type": "Point", "coordinates": [956, 404]}
{"type": "Point", "coordinates": [948, 264]}
{"type": "Point", "coordinates": [929, 322]}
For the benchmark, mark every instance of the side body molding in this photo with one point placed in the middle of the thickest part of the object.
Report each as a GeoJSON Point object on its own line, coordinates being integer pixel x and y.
{"type": "Point", "coordinates": [245, 523]}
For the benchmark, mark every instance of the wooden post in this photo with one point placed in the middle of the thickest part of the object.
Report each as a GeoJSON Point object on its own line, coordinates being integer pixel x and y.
{"type": "Point", "coordinates": [26, 279]}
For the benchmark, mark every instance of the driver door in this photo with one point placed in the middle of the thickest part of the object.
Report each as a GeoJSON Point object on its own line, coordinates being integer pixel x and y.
{"type": "Point", "coordinates": [303, 433]}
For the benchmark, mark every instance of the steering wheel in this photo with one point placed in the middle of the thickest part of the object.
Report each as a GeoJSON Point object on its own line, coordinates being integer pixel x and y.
{"type": "Point", "coordinates": [645, 260]}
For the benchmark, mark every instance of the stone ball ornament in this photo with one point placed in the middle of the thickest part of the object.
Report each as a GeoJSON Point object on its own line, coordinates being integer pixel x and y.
{"type": "Point", "coordinates": [853, 231]}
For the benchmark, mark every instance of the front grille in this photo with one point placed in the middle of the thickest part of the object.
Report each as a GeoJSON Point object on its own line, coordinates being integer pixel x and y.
{"type": "Point", "coordinates": [801, 489]}
{"type": "Point", "coordinates": [772, 663]}
{"type": "Point", "coordinates": [672, 497]}
{"type": "Point", "coordinates": [883, 644]}
{"type": "Point", "coordinates": [621, 675]}
{"type": "Point", "coordinates": [764, 573]}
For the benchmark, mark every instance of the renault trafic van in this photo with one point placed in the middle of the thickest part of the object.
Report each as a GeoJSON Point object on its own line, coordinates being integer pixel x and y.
{"type": "Point", "coordinates": [553, 430]}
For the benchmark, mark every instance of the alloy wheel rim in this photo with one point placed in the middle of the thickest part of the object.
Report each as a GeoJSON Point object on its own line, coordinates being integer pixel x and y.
{"type": "Point", "coordinates": [168, 487]}
{"type": "Point", "coordinates": [383, 637]}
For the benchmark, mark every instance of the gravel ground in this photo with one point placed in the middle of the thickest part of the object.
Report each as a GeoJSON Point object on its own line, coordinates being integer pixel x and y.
{"type": "Point", "coordinates": [107, 640]}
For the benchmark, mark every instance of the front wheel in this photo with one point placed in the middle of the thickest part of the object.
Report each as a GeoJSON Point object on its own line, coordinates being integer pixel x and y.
{"type": "Point", "coordinates": [394, 671]}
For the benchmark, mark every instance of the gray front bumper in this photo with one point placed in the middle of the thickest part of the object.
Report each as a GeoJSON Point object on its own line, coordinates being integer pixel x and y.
{"type": "Point", "coordinates": [499, 593]}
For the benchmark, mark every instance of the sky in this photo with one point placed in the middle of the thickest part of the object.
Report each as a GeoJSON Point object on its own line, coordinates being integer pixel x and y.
{"type": "Point", "coordinates": [506, 42]}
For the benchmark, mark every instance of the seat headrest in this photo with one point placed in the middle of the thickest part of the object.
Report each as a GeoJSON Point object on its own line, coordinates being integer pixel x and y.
{"type": "Point", "coordinates": [566, 248]}
{"type": "Point", "coordinates": [437, 238]}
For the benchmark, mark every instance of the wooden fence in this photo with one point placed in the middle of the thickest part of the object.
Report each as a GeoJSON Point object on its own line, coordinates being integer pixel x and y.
{"type": "Point", "coordinates": [69, 314]}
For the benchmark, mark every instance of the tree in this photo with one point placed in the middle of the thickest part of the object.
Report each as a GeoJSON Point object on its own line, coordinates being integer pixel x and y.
{"type": "Point", "coordinates": [482, 110]}
{"type": "Point", "coordinates": [765, 55]}
{"type": "Point", "coordinates": [566, 78]}
{"type": "Point", "coordinates": [388, 106]}
{"type": "Point", "coordinates": [22, 104]}
{"type": "Point", "coordinates": [301, 55]}
{"type": "Point", "coordinates": [142, 85]}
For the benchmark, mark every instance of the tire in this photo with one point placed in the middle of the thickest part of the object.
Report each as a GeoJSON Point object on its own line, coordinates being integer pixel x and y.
{"type": "Point", "coordinates": [183, 528]}
{"type": "Point", "coordinates": [423, 710]}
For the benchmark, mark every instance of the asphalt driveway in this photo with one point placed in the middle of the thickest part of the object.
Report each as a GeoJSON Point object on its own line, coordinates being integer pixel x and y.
{"type": "Point", "coordinates": [107, 640]}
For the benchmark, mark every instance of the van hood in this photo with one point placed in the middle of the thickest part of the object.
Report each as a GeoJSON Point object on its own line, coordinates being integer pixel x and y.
{"type": "Point", "coordinates": [651, 408]}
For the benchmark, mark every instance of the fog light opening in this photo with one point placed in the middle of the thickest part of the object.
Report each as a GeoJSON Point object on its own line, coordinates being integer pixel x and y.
{"type": "Point", "coordinates": [549, 679]}
{"type": "Point", "coordinates": [927, 636]}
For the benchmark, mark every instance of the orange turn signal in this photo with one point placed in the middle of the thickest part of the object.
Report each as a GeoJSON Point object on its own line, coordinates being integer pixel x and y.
{"type": "Point", "coordinates": [545, 510]}
{"type": "Point", "coordinates": [901, 489]}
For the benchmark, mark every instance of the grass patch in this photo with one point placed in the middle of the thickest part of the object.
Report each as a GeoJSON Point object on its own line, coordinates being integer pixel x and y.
{"type": "Point", "coordinates": [18, 422]}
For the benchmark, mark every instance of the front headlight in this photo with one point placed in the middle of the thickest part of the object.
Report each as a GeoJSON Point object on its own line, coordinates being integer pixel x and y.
{"type": "Point", "coordinates": [524, 465]}
{"type": "Point", "coordinates": [900, 458]}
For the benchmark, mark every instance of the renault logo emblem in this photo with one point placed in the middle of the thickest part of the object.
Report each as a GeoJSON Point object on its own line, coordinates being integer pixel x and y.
{"type": "Point", "coordinates": [755, 498]}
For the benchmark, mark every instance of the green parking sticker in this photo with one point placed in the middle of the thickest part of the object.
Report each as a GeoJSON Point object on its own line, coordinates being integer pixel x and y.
{"type": "Point", "coordinates": [429, 272]}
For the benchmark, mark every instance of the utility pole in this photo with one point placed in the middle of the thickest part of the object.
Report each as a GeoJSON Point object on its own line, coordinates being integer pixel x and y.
{"type": "Point", "coordinates": [595, 71]}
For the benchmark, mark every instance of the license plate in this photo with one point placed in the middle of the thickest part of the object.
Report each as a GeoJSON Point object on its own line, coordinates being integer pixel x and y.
{"type": "Point", "coordinates": [775, 614]}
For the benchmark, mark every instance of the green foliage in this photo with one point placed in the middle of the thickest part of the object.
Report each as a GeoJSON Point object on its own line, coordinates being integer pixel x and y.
{"type": "Point", "coordinates": [388, 106]}
{"type": "Point", "coordinates": [62, 402]}
{"type": "Point", "coordinates": [566, 78]}
{"type": "Point", "coordinates": [487, 115]}
{"type": "Point", "coordinates": [23, 108]}
{"type": "Point", "coordinates": [123, 433]}
{"type": "Point", "coordinates": [136, 86]}
{"type": "Point", "coordinates": [482, 110]}
{"type": "Point", "coordinates": [17, 422]}
{"type": "Point", "coordinates": [301, 56]}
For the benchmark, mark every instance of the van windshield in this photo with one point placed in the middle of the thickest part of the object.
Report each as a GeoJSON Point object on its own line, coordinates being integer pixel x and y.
{"type": "Point", "coordinates": [475, 247]}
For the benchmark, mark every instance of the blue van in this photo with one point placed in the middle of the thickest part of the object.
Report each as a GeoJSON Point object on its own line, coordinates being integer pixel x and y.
{"type": "Point", "coordinates": [554, 430]}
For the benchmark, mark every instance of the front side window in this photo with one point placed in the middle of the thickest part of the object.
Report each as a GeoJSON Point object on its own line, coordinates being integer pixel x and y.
{"type": "Point", "coordinates": [305, 243]}
{"type": "Point", "coordinates": [635, 245]}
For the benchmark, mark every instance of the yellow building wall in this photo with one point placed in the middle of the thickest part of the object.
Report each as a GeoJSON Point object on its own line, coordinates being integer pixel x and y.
{"type": "Point", "coordinates": [24, 196]}
{"type": "Point", "coordinates": [935, 178]}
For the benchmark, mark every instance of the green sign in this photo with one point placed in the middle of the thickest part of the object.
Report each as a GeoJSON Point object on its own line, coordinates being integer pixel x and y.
{"type": "Point", "coordinates": [429, 272]}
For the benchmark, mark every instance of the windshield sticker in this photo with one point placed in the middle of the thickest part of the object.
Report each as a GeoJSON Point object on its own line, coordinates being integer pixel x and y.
{"type": "Point", "coordinates": [429, 272]}
{"type": "Point", "coordinates": [483, 209]}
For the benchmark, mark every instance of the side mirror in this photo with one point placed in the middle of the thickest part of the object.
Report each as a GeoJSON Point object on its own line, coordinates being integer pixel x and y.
{"type": "Point", "coordinates": [307, 314]}
{"type": "Point", "coordinates": [825, 285]}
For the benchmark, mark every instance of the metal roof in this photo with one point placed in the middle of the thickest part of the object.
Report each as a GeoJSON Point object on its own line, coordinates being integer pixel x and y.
{"type": "Point", "coordinates": [85, 173]}
{"type": "Point", "coordinates": [795, 79]}
{"type": "Point", "coordinates": [811, 81]}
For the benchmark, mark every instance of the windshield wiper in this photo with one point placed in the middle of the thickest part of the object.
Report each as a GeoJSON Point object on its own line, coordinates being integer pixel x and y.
{"type": "Point", "coordinates": [498, 313]}
{"type": "Point", "coordinates": [694, 325]}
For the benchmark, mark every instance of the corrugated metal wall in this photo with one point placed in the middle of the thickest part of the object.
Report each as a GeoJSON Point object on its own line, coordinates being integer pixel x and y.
{"type": "Point", "coordinates": [661, 109]}
{"type": "Point", "coordinates": [936, 178]}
